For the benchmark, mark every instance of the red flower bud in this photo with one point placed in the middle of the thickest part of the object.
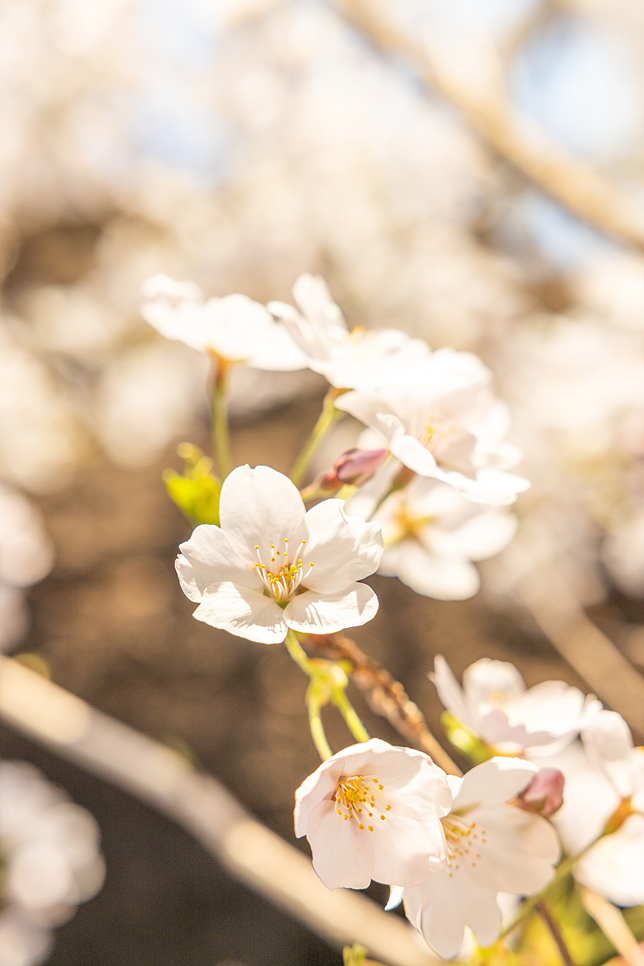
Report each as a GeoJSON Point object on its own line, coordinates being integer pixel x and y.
{"type": "Point", "coordinates": [544, 794]}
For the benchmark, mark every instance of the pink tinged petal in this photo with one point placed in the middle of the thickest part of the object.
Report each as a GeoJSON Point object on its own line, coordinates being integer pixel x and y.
{"type": "Point", "coordinates": [614, 866]}
{"type": "Point", "coordinates": [428, 574]}
{"type": "Point", "coordinates": [490, 486]}
{"type": "Point", "coordinates": [485, 534]}
{"type": "Point", "coordinates": [261, 506]}
{"type": "Point", "coordinates": [210, 557]}
{"type": "Point", "coordinates": [442, 906]}
{"type": "Point", "coordinates": [343, 854]}
{"type": "Point", "coordinates": [243, 613]}
{"type": "Point", "coordinates": [314, 613]}
{"type": "Point", "coordinates": [321, 785]}
{"type": "Point", "coordinates": [495, 781]}
{"type": "Point", "coordinates": [342, 548]}
{"type": "Point", "coordinates": [449, 690]}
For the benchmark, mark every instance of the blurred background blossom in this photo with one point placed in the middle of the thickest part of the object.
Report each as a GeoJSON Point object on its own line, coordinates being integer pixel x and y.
{"type": "Point", "coordinates": [238, 144]}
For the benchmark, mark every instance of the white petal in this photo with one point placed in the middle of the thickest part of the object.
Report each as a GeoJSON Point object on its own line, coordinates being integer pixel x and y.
{"type": "Point", "coordinates": [243, 613]}
{"type": "Point", "coordinates": [174, 309]}
{"type": "Point", "coordinates": [449, 690]}
{"type": "Point", "coordinates": [428, 574]}
{"type": "Point", "coordinates": [486, 678]}
{"type": "Point", "coordinates": [614, 867]}
{"type": "Point", "coordinates": [314, 613]}
{"type": "Point", "coordinates": [209, 557]}
{"type": "Point", "coordinates": [343, 855]}
{"type": "Point", "coordinates": [443, 906]}
{"type": "Point", "coordinates": [321, 785]}
{"type": "Point", "coordinates": [260, 506]}
{"type": "Point", "coordinates": [342, 548]}
{"type": "Point", "coordinates": [519, 854]}
{"type": "Point", "coordinates": [609, 744]}
{"type": "Point", "coordinates": [495, 781]}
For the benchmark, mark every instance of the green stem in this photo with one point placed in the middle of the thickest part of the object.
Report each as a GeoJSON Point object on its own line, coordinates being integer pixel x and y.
{"type": "Point", "coordinates": [220, 430]}
{"type": "Point", "coordinates": [296, 651]}
{"type": "Point", "coordinates": [298, 654]}
{"type": "Point", "coordinates": [317, 731]}
{"type": "Point", "coordinates": [327, 419]}
{"type": "Point", "coordinates": [348, 712]}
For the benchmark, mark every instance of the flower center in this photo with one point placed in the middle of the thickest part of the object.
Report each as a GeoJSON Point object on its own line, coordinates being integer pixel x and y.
{"type": "Point", "coordinates": [464, 839]}
{"type": "Point", "coordinates": [284, 573]}
{"type": "Point", "coordinates": [359, 798]}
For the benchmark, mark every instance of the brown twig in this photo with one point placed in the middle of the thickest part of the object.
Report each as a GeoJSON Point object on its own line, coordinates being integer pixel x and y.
{"type": "Point", "coordinates": [384, 695]}
{"type": "Point", "coordinates": [543, 909]}
{"type": "Point", "coordinates": [575, 185]}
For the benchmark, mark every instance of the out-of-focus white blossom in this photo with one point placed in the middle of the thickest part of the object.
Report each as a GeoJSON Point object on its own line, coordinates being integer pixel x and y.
{"type": "Point", "coordinates": [495, 704]}
{"type": "Point", "coordinates": [273, 565]}
{"type": "Point", "coordinates": [49, 859]}
{"type": "Point", "coordinates": [373, 811]}
{"type": "Point", "coordinates": [614, 866]}
{"type": "Point", "coordinates": [26, 556]}
{"type": "Point", "coordinates": [447, 426]}
{"type": "Point", "coordinates": [493, 847]}
{"type": "Point", "coordinates": [233, 327]}
{"type": "Point", "coordinates": [432, 535]}
{"type": "Point", "coordinates": [350, 359]}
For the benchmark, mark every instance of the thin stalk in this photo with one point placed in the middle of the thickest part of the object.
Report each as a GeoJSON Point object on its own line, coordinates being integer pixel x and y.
{"type": "Point", "coordinates": [349, 714]}
{"type": "Point", "coordinates": [220, 430]}
{"type": "Point", "coordinates": [318, 735]}
{"type": "Point", "coordinates": [326, 420]}
{"type": "Point", "coordinates": [545, 912]}
{"type": "Point", "coordinates": [317, 731]}
{"type": "Point", "coordinates": [298, 654]}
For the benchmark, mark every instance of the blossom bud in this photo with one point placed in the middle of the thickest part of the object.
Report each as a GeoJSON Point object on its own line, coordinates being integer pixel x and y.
{"type": "Point", "coordinates": [544, 794]}
{"type": "Point", "coordinates": [355, 467]}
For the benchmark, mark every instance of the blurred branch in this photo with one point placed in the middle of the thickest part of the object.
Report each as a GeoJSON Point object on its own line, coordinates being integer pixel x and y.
{"type": "Point", "coordinates": [487, 110]}
{"type": "Point", "coordinates": [612, 923]}
{"type": "Point", "coordinates": [384, 695]}
{"type": "Point", "coordinates": [561, 617]}
{"type": "Point", "coordinates": [160, 777]}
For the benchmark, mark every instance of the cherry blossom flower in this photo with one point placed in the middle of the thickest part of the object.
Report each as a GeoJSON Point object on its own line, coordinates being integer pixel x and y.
{"type": "Point", "coordinates": [446, 425]}
{"type": "Point", "coordinates": [374, 811]}
{"type": "Point", "coordinates": [234, 327]}
{"type": "Point", "coordinates": [495, 704]}
{"type": "Point", "coordinates": [614, 866]}
{"type": "Point", "coordinates": [493, 847]}
{"type": "Point", "coordinates": [272, 565]}
{"type": "Point", "coordinates": [350, 359]}
{"type": "Point", "coordinates": [432, 535]}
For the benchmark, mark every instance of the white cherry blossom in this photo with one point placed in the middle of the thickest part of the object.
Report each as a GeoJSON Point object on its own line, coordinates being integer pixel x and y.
{"type": "Point", "coordinates": [493, 847]}
{"type": "Point", "coordinates": [234, 327]}
{"type": "Point", "coordinates": [373, 811]}
{"type": "Point", "coordinates": [272, 565]}
{"type": "Point", "coordinates": [495, 704]}
{"type": "Point", "coordinates": [614, 866]}
{"type": "Point", "coordinates": [350, 359]}
{"type": "Point", "coordinates": [446, 425]}
{"type": "Point", "coordinates": [432, 535]}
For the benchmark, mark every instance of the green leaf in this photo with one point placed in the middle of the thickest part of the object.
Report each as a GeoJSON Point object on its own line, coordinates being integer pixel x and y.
{"type": "Point", "coordinates": [196, 492]}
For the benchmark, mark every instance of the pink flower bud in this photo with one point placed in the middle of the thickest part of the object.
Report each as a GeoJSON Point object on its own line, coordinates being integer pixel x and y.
{"type": "Point", "coordinates": [544, 794]}
{"type": "Point", "coordinates": [356, 466]}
